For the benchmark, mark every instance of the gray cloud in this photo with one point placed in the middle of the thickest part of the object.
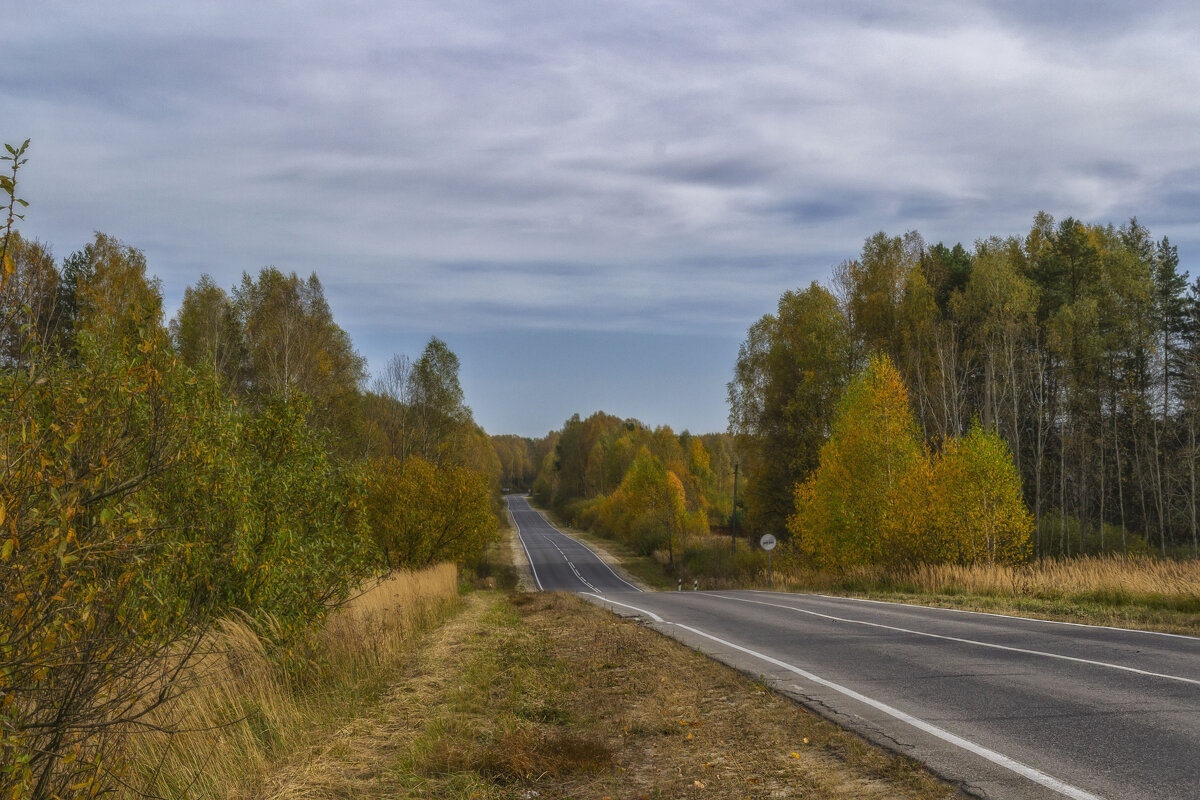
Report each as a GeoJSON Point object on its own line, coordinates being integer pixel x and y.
{"type": "Point", "coordinates": [809, 209]}
{"type": "Point", "coordinates": [643, 166]}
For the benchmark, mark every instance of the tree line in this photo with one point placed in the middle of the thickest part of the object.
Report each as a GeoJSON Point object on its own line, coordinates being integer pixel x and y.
{"type": "Point", "coordinates": [1076, 344]}
{"type": "Point", "coordinates": [155, 477]}
{"type": "Point", "coordinates": [649, 487]}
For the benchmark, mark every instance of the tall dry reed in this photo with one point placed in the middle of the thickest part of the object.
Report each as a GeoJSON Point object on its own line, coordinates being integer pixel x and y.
{"type": "Point", "coordinates": [242, 706]}
{"type": "Point", "coordinates": [1112, 579]}
{"type": "Point", "coordinates": [1115, 575]}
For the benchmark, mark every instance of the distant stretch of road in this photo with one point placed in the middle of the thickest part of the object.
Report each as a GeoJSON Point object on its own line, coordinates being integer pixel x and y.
{"type": "Point", "coordinates": [559, 562]}
{"type": "Point", "coordinates": [1008, 707]}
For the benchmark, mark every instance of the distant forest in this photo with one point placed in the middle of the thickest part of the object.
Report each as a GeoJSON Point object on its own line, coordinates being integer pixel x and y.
{"type": "Point", "coordinates": [1079, 344]}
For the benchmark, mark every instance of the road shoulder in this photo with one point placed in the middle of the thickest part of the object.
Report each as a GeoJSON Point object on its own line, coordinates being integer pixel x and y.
{"type": "Point", "coordinates": [515, 552]}
{"type": "Point", "coordinates": [544, 695]}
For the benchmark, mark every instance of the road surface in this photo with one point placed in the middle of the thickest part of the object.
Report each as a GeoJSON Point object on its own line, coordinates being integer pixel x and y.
{"type": "Point", "coordinates": [1007, 707]}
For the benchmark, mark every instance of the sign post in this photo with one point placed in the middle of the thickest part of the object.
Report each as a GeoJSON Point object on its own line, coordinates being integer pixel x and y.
{"type": "Point", "coordinates": [767, 542]}
{"type": "Point", "coordinates": [733, 515]}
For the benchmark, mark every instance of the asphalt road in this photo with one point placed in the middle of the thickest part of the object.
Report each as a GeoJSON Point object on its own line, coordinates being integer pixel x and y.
{"type": "Point", "coordinates": [1008, 707]}
{"type": "Point", "coordinates": [561, 563]}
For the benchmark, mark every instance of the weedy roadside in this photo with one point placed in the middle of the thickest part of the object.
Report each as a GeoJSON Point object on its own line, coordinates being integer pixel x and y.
{"type": "Point", "coordinates": [244, 712]}
{"type": "Point", "coordinates": [546, 696]}
{"type": "Point", "coordinates": [1123, 591]}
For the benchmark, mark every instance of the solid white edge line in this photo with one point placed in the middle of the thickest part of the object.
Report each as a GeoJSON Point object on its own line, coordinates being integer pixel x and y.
{"type": "Point", "coordinates": [590, 550]}
{"type": "Point", "coordinates": [649, 614]}
{"type": "Point", "coordinates": [524, 547]}
{"type": "Point", "coordinates": [598, 558]}
{"type": "Point", "coordinates": [1024, 770]}
{"type": "Point", "coordinates": [993, 614]}
{"type": "Point", "coordinates": [961, 640]}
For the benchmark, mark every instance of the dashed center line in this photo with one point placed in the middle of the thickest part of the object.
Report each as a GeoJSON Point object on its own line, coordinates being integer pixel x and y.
{"type": "Point", "coordinates": [569, 563]}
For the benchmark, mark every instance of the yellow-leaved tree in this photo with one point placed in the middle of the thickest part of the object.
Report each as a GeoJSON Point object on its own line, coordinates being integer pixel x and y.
{"type": "Point", "coordinates": [863, 503]}
{"type": "Point", "coordinates": [421, 513]}
{"type": "Point", "coordinates": [878, 497]}
{"type": "Point", "coordinates": [649, 509]}
{"type": "Point", "coordinates": [976, 510]}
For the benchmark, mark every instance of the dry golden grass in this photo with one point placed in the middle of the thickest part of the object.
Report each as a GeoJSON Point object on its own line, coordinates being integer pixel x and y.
{"type": "Point", "coordinates": [543, 695]}
{"type": "Point", "coordinates": [1130, 576]}
{"type": "Point", "coordinates": [1139, 591]}
{"type": "Point", "coordinates": [374, 626]}
{"type": "Point", "coordinates": [241, 710]}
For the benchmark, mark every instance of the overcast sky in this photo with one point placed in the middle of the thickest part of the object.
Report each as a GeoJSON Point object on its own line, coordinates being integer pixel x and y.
{"type": "Point", "coordinates": [590, 202]}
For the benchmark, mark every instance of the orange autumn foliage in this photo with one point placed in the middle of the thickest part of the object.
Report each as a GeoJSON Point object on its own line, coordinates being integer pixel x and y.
{"type": "Point", "coordinates": [649, 509]}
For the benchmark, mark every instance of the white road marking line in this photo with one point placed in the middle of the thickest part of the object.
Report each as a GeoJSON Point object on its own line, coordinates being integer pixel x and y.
{"type": "Point", "coordinates": [1024, 770]}
{"type": "Point", "coordinates": [1042, 653]}
{"type": "Point", "coordinates": [536, 579]}
{"type": "Point", "coordinates": [1003, 616]}
{"type": "Point", "coordinates": [649, 614]}
{"type": "Point", "coordinates": [590, 550]}
{"type": "Point", "coordinates": [569, 563]}
{"type": "Point", "coordinates": [598, 558]}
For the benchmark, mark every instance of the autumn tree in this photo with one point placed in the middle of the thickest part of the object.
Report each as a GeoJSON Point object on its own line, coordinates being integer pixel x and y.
{"type": "Point", "coordinates": [880, 497]}
{"type": "Point", "coordinates": [591, 455]}
{"type": "Point", "coordinates": [788, 376]}
{"type": "Point", "coordinates": [389, 409]}
{"type": "Point", "coordinates": [996, 310]}
{"type": "Point", "coordinates": [976, 511]}
{"type": "Point", "coordinates": [15, 156]}
{"type": "Point", "coordinates": [947, 271]}
{"type": "Point", "coordinates": [421, 513]}
{"type": "Point", "coordinates": [864, 502]}
{"type": "Point", "coordinates": [1073, 342]}
{"type": "Point", "coordinates": [140, 500]}
{"type": "Point", "coordinates": [107, 293]}
{"type": "Point", "coordinates": [292, 345]}
{"type": "Point", "coordinates": [649, 509]}
{"type": "Point", "coordinates": [571, 452]}
{"type": "Point", "coordinates": [440, 417]}
{"type": "Point", "coordinates": [80, 448]}
{"type": "Point", "coordinates": [872, 288]}
{"type": "Point", "coordinates": [208, 335]}
{"type": "Point", "coordinates": [28, 302]}
{"type": "Point", "coordinates": [418, 409]}
{"type": "Point", "coordinates": [518, 461]}
{"type": "Point", "coordinates": [1188, 392]}
{"type": "Point", "coordinates": [138, 503]}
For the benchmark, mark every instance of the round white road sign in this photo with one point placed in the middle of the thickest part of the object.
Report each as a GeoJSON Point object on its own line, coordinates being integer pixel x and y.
{"type": "Point", "coordinates": [767, 542]}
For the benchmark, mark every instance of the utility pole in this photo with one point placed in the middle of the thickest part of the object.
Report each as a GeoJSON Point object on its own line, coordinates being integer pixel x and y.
{"type": "Point", "coordinates": [733, 516]}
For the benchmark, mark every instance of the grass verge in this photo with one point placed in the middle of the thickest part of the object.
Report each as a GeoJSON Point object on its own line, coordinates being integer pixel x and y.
{"type": "Point", "coordinates": [544, 695]}
{"type": "Point", "coordinates": [1123, 591]}
{"type": "Point", "coordinates": [245, 709]}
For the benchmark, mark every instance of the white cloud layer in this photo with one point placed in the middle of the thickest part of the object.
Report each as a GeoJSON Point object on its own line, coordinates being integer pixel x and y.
{"type": "Point", "coordinates": [654, 167]}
